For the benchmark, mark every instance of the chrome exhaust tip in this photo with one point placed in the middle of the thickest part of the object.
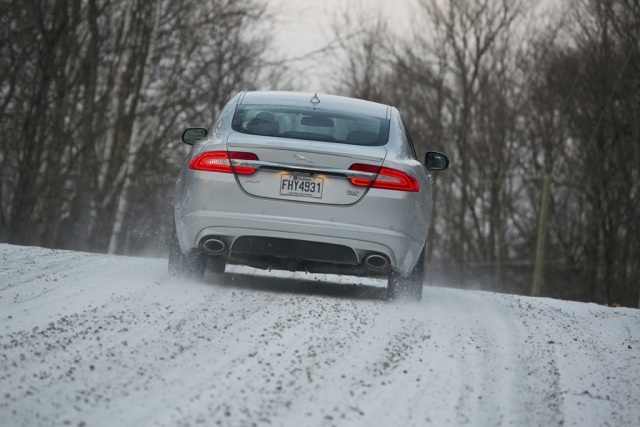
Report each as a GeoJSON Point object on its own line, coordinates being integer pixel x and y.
{"type": "Point", "coordinates": [376, 262]}
{"type": "Point", "coordinates": [214, 246]}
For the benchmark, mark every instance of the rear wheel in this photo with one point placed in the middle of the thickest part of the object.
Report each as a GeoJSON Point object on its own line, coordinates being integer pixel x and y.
{"type": "Point", "coordinates": [217, 264]}
{"type": "Point", "coordinates": [407, 288]}
{"type": "Point", "coordinates": [192, 265]}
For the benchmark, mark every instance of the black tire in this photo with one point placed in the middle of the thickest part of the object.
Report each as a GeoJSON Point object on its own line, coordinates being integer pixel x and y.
{"type": "Point", "coordinates": [407, 288]}
{"type": "Point", "coordinates": [191, 266]}
{"type": "Point", "coordinates": [217, 264]}
{"type": "Point", "coordinates": [176, 258]}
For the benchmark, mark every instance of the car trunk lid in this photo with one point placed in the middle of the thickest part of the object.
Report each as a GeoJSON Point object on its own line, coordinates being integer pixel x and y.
{"type": "Point", "coordinates": [302, 170]}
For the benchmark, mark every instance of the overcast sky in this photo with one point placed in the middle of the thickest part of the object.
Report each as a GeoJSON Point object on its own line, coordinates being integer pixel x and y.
{"type": "Point", "coordinates": [304, 26]}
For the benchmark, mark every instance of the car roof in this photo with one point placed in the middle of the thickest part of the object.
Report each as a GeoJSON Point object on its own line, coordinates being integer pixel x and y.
{"type": "Point", "coordinates": [327, 102]}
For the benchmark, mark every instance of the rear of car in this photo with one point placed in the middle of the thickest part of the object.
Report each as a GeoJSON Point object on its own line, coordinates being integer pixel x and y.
{"type": "Point", "coordinates": [299, 181]}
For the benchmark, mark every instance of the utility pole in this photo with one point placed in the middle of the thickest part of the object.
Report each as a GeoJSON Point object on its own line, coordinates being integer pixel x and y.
{"type": "Point", "coordinates": [538, 270]}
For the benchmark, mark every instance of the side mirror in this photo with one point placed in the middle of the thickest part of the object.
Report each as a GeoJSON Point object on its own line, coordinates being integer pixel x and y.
{"type": "Point", "coordinates": [435, 161]}
{"type": "Point", "coordinates": [192, 135]}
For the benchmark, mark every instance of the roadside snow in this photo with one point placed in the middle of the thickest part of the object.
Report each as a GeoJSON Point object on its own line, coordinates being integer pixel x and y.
{"type": "Point", "coordinates": [96, 340]}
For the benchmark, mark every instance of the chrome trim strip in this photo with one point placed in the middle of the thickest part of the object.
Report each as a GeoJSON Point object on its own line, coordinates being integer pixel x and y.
{"type": "Point", "coordinates": [347, 172]}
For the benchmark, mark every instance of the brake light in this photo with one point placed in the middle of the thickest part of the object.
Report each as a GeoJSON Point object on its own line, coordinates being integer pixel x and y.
{"type": "Point", "coordinates": [386, 178]}
{"type": "Point", "coordinates": [224, 162]}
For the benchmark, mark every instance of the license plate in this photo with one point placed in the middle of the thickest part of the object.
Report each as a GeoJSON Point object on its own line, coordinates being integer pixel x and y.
{"type": "Point", "coordinates": [301, 186]}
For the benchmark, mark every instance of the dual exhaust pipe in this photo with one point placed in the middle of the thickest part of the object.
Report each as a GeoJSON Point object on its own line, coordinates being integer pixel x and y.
{"type": "Point", "coordinates": [373, 262]}
{"type": "Point", "coordinates": [213, 246]}
{"type": "Point", "coordinates": [377, 262]}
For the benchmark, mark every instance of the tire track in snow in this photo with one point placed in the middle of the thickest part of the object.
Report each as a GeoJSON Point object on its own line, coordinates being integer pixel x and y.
{"type": "Point", "coordinates": [47, 282]}
{"type": "Point", "coordinates": [579, 348]}
{"type": "Point", "coordinates": [285, 364]}
{"type": "Point", "coordinates": [113, 344]}
{"type": "Point", "coordinates": [486, 360]}
{"type": "Point", "coordinates": [36, 271]}
{"type": "Point", "coordinates": [117, 342]}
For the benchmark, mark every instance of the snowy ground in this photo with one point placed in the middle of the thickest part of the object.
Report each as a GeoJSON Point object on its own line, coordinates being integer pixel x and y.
{"type": "Point", "coordinates": [95, 340]}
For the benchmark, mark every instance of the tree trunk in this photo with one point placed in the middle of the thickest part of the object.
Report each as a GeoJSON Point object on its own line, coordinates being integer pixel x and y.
{"type": "Point", "coordinates": [135, 141]}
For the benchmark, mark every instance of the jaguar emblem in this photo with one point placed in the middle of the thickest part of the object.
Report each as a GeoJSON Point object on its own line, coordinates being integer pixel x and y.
{"type": "Point", "coordinates": [301, 157]}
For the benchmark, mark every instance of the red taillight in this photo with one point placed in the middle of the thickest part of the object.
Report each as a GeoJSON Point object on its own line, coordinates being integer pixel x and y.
{"type": "Point", "coordinates": [225, 162]}
{"type": "Point", "coordinates": [386, 178]}
{"type": "Point", "coordinates": [241, 162]}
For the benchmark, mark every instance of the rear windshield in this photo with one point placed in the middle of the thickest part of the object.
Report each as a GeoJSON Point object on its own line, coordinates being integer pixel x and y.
{"type": "Point", "coordinates": [314, 125]}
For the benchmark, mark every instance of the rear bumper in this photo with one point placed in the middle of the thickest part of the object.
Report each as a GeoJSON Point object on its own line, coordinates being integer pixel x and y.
{"type": "Point", "coordinates": [401, 249]}
{"type": "Point", "coordinates": [385, 222]}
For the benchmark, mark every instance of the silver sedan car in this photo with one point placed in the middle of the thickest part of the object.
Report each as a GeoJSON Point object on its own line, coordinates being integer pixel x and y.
{"type": "Point", "coordinates": [305, 182]}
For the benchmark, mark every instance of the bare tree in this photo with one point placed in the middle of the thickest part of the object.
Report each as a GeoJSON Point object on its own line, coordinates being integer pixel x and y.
{"type": "Point", "coordinates": [539, 123]}
{"type": "Point", "coordinates": [94, 93]}
{"type": "Point", "coordinates": [598, 208]}
{"type": "Point", "coordinates": [465, 87]}
{"type": "Point", "coordinates": [363, 46]}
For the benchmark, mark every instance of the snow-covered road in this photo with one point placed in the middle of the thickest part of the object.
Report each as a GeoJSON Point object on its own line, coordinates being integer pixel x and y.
{"type": "Point", "coordinates": [96, 340]}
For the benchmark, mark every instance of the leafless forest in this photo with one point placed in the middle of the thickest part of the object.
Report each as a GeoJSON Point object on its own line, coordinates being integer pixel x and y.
{"type": "Point", "coordinates": [538, 109]}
